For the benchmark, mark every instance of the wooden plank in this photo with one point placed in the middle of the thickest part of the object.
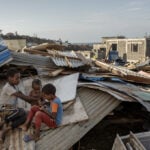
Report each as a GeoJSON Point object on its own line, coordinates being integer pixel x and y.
{"type": "Point", "coordinates": [136, 142]}
{"type": "Point", "coordinates": [118, 144]}
{"type": "Point", "coordinates": [124, 73]}
{"type": "Point", "coordinates": [55, 73]}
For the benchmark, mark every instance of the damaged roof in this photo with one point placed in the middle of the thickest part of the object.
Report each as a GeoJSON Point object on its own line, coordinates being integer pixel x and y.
{"type": "Point", "coordinates": [97, 105]}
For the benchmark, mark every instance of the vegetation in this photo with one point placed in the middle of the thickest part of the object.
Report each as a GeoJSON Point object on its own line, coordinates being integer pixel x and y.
{"type": "Point", "coordinates": [32, 39]}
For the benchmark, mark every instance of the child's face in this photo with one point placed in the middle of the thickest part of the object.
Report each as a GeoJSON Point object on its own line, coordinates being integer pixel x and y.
{"type": "Point", "coordinates": [36, 87]}
{"type": "Point", "coordinates": [15, 79]}
{"type": "Point", "coordinates": [48, 96]}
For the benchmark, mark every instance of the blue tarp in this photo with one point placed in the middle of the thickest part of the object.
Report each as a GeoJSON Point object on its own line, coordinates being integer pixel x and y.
{"type": "Point", "coordinates": [2, 47]}
{"type": "Point", "coordinates": [96, 79]}
{"type": "Point", "coordinates": [113, 55]}
{"type": "Point", "coordinates": [4, 55]}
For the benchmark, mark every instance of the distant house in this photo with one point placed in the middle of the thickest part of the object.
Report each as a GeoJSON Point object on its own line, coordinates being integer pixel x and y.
{"type": "Point", "coordinates": [130, 49]}
{"type": "Point", "coordinates": [15, 44]}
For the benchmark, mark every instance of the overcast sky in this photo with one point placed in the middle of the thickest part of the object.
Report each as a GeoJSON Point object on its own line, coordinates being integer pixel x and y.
{"type": "Point", "coordinates": [76, 20]}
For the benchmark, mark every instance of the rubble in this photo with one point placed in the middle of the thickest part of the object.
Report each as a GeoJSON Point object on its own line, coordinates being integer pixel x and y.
{"type": "Point", "coordinates": [86, 99]}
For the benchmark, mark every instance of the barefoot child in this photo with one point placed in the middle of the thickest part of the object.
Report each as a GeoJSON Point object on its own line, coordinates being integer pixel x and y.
{"type": "Point", "coordinates": [36, 92]}
{"type": "Point", "coordinates": [51, 116]}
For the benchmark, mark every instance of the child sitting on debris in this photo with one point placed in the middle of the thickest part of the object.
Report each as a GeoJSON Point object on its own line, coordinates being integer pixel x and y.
{"type": "Point", "coordinates": [36, 92]}
{"type": "Point", "coordinates": [12, 114]}
{"type": "Point", "coordinates": [51, 116]}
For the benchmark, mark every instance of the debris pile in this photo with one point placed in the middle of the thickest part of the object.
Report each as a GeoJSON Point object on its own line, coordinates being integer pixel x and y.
{"type": "Point", "coordinates": [89, 90]}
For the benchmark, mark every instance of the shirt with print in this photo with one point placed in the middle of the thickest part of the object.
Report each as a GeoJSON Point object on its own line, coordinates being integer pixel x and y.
{"type": "Point", "coordinates": [7, 96]}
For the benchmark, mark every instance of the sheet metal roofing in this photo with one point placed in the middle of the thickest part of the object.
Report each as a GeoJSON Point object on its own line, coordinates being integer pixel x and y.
{"type": "Point", "coordinates": [70, 62]}
{"type": "Point", "coordinates": [33, 60]}
{"type": "Point", "coordinates": [45, 61]}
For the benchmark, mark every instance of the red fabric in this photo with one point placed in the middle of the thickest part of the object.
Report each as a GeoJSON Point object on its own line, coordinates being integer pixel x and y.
{"type": "Point", "coordinates": [40, 117]}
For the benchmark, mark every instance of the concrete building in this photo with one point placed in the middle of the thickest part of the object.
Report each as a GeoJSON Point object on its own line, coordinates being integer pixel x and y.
{"type": "Point", "coordinates": [15, 44]}
{"type": "Point", "coordinates": [130, 49]}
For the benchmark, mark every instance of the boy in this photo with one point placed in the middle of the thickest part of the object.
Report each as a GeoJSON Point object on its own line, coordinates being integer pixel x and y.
{"type": "Point", "coordinates": [11, 92]}
{"type": "Point", "coordinates": [9, 101]}
{"type": "Point", "coordinates": [52, 116]}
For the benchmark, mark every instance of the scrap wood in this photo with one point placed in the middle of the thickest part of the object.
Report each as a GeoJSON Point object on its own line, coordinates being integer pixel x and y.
{"type": "Point", "coordinates": [125, 74]}
{"type": "Point", "coordinates": [146, 68]}
{"type": "Point", "coordinates": [110, 68]}
{"type": "Point", "coordinates": [84, 59]}
{"type": "Point", "coordinates": [48, 54]}
{"type": "Point", "coordinates": [44, 46]}
{"type": "Point", "coordinates": [144, 73]}
{"type": "Point", "coordinates": [55, 72]}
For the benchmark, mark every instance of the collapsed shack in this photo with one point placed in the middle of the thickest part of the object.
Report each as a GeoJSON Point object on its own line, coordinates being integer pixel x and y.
{"type": "Point", "coordinates": [93, 96]}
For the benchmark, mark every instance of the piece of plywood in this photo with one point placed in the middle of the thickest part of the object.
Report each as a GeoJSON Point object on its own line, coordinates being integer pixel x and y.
{"type": "Point", "coordinates": [75, 113]}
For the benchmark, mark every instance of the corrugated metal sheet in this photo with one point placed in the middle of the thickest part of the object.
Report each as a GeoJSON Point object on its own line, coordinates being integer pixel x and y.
{"type": "Point", "coordinates": [70, 62]}
{"type": "Point", "coordinates": [14, 141]}
{"type": "Point", "coordinates": [44, 61]}
{"type": "Point", "coordinates": [63, 53]}
{"type": "Point", "coordinates": [33, 60]}
{"type": "Point", "coordinates": [97, 104]}
{"type": "Point", "coordinates": [117, 95]}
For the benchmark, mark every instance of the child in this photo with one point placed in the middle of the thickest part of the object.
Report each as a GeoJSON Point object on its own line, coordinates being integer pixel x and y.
{"type": "Point", "coordinates": [13, 116]}
{"type": "Point", "coordinates": [51, 117]}
{"type": "Point", "coordinates": [36, 92]}
{"type": "Point", "coordinates": [9, 101]}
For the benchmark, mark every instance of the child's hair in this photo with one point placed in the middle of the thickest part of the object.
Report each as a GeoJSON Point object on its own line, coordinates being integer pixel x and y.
{"type": "Point", "coordinates": [11, 72]}
{"type": "Point", "coordinates": [49, 89]}
{"type": "Point", "coordinates": [37, 82]}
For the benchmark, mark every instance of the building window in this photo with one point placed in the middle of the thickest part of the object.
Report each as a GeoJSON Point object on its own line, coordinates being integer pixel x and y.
{"type": "Point", "coordinates": [134, 48]}
{"type": "Point", "coordinates": [114, 47]}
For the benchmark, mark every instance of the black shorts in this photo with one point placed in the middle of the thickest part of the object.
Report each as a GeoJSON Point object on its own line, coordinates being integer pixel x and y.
{"type": "Point", "coordinates": [17, 117]}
